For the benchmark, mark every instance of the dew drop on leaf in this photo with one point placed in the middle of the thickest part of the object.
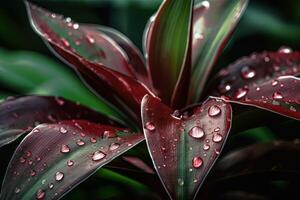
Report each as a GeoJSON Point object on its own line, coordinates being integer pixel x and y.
{"type": "Point", "coordinates": [285, 50]}
{"type": "Point", "coordinates": [180, 182]}
{"type": "Point", "coordinates": [150, 126]}
{"type": "Point", "coordinates": [75, 26]}
{"type": "Point", "coordinates": [17, 190]}
{"type": "Point", "coordinates": [80, 142]}
{"type": "Point", "coordinates": [247, 72]}
{"type": "Point", "coordinates": [242, 92]}
{"type": "Point", "coordinates": [277, 95]}
{"type": "Point", "coordinates": [214, 111]}
{"type": "Point", "coordinates": [197, 162]}
{"type": "Point", "coordinates": [70, 163]}
{"type": "Point", "coordinates": [98, 155]}
{"type": "Point", "coordinates": [196, 132]}
{"type": "Point", "coordinates": [217, 137]}
{"type": "Point", "coordinates": [206, 147]}
{"type": "Point", "coordinates": [40, 194]}
{"type": "Point", "coordinates": [22, 160]}
{"type": "Point", "coordinates": [114, 146]}
{"type": "Point", "coordinates": [274, 83]}
{"type": "Point", "coordinates": [64, 149]}
{"type": "Point", "coordinates": [59, 176]}
{"type": "Point", "coordinates": [93, 140]}
{"type": "Point", "coordinates": [63, 130]}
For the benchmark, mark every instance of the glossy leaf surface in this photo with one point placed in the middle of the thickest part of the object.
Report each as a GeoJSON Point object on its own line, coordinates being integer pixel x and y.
{"type": "Point", "coordinates": [184, 148]}
{"type": "Point", "coordinates": [214, 21]}
{"type": "Point", "coordinates": [21, 115]}
{"type": "Point", "coordinates": [168, 44]}
{"type": "Point", "coordinates": [114, 86]}
{"type": "Point", "coordinates": [54, 158]}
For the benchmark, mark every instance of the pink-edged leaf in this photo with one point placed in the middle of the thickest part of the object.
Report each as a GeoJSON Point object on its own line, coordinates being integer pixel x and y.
{"type": "Point", "coordinates": [54, 158]}
{"type": "Point", "coordinates": [20, 115]}
{"type": "Point", "coordinates": [85, 40]}
{"type": "Point", "coordinates": [256, 69]}
{"type": "Point", "coordinates": [137, 162]}
{"type": "Point", "coordinates": [135, 57]}
{"type": "Point", "coordinates": [183, 149]}
{"type": "Point", "coordinates": [281, 95]}
{"type": "Point", "coordinates": [214, 22]}
{"type": "Point", "coordinates": [120, 89]}
{"type": "Point", "coordinates": [168, 44]}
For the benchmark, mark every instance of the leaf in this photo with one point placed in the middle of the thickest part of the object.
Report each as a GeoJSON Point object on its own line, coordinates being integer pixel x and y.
{"type": "Point", "coordinates": [20, 115]}
{"type": "Point", "coordinates": [32, 73]}
{"type": "Point", "coordinates": [168, 44]}
{"type": "Point", "coordinates": [54, 158]}
{"type": "Point", "coordinates": [214, 21]}
{"type": "Point", "coordinates": [121, 90]}
{"type": "Point", "coordinates": [184, 149]}
{"type": "Point", "coordinates": [139, 163]}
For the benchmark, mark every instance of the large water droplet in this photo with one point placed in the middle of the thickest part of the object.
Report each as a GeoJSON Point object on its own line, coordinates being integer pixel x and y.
{"type": "Point", "coordinates": [197, 132]}
{"type": "Point", "coordinates": [59, 176]}
{"type": "Point", "coordinates": [217, 137]}
{"type": "Point", "coordinates": [114, 146]}
{"type": "Point", "coordinates": [150, 126]}
{"type": "Point", "coordinates": [242, 92]}
{"type": "Point", "coordinates": [247, 72]}
{"type": "Point", "coordinates": [65, 148]}
{"type": "Point", "coordinates": [98, 155]}
{"type": "Point", "coordinates": [40, 194]}
{"type": "Point", "coordinates": [277, 95]}
{"type": "Point", "coordinates": [214, 111]}
{"type": "Point", "coordinates": [197, 162]}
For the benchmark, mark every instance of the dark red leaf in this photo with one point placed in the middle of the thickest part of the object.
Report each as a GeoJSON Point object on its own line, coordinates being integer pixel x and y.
{"type": "Point", "coordinates": [262, 80]}
{"type": "Point", "coordinates": [54, 158]}
{"type": "Point", "coordinates": [137, 162]}
{"type": "Point", "coordinates": [121, 90]}
{"type": "Point", "coordinates": [184, 148]}
{"type": "Point", "coordinates": [18, 116]}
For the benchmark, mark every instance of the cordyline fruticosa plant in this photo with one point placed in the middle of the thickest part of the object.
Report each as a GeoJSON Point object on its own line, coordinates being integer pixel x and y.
{"type": "Point", "coordinates": [159, 92]}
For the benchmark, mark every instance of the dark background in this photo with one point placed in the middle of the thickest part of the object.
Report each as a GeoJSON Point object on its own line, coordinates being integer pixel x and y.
{"type": "Point", "coordinates": [266, 25]}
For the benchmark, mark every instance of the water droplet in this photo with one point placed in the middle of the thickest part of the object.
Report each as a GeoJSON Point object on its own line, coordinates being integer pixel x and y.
{"type": "Point", "coordinates": [36, 130]}
{"type": "Point", "coordinates": [217, 151]}
{"type": "Point", "coordinates": [90, 39]}
{"type": "Point", "coordinates": [68, 19]}
{"type": "Point", "coordinates": [180, 182]}
{"type": "Point", "coordinates": [93, 140]}
{"type": "Point", "coordinates": [51, 185]}
{"type": "Point", "coordinates": [53, 15]}
{"type": "Point", "coordinates": [70, 163]}
{"type": "Point", "coordinates": [214, 111]}
{"type": "Point", "coordinates": [274, 83]}
{"type": "Point", "coordinates": [59, 176]}
{"type": "Point", "coordinates": [65, 148]}
{"type": "Point", "coordinates": [40, 194]}
{"type": "Point", "coordinates": [59, 101]}
{"type": "Point", "coordinates": [98, 155]}
{"type": "Point", "coordinates": [22, 160]}
{"type": "Point", "coordinates": [75, 26]}
{"type": "Point", "coordinates": [17, 190]}
{"type": "Point", "coordinates": [285, 50]}
{"type": "Point", "coordinates": [197, 162]}
{"type": "Point", "coordinates": [65, 42]}
{"type": "Point", "coordinates": [206, 147]}
{"type": "Point", "coordinates": [150, 126]}
{"type": "Point", "coordinates": [257, 89]}
{"type": "Point", "coordinates": [242, 92]}
{"type": "Point", "coordinates": [80, 142]}
{"type": "Point", "coordinates": [63, 130]}
{"type": "Point", "coordinates": [114, 146]}
{"type": "Point", "coordinates": [106, 134]}
{"type": "Point", "coordinates": [217, 137]}
{"type": "Point", "coordinates": [277, 95]}
{"type": "Point", "coordinates": [196, 132]}
{"type": "Point", "coordinates": [205, 4]}
{"type": "Point", "coordinates": [217, 129]}
{"type": "Point", "coordinates": [32, 173]}
{"type": "Point", "coordinates": [247, 72]}
{"type": "Point", "coordinates": [198, 36]}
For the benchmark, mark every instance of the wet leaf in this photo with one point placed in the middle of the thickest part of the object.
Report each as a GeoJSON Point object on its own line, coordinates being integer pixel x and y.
{"type": "Point", "coordinates": [118, 88]}
{"type": "Point", "coordinates": [214, 21]}
{"type": "Point", "coordinates": [184, 147]}
{"type": "Point", "coordinates": [21, 115]}
{"type": "Point", "coordinates": [168, 44]}
{"type": "Point", "coordinates": [54, 158]}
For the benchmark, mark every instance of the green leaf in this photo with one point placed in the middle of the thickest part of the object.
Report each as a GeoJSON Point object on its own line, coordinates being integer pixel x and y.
{"type": "Point", "coordinates": [168, 45]}
{"type": "Point", "coordinates": [214, 21]}
{"type": "Point", "coordinates": [32, 73]}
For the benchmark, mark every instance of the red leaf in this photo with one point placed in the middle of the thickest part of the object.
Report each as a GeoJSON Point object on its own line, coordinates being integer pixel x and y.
{"type": "Point", "coordinates": [18, 116]}
{"type": "Point", "coordinates": [53, 159]}
{"type": "Point", "coordinates": [262, 80]}
{"type": "Point", "coordinates": [184, 149]}
{"type": "Point", "coordinates": [281, 95]}
{"type": "Point", "coordinates": [120, 89]}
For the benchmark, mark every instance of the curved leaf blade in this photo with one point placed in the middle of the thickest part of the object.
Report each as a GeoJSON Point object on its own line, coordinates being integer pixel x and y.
{"type": "Point", "coordinates": [21, 115]}
{"type": "Point", "coordinates": [184, 149]}
{"type": "Point", "coordinates": [214, 21]}
{"type": "Point", "coordinates": [54, 158]}
{"type": "Point", "coordinates": [168, 44]}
